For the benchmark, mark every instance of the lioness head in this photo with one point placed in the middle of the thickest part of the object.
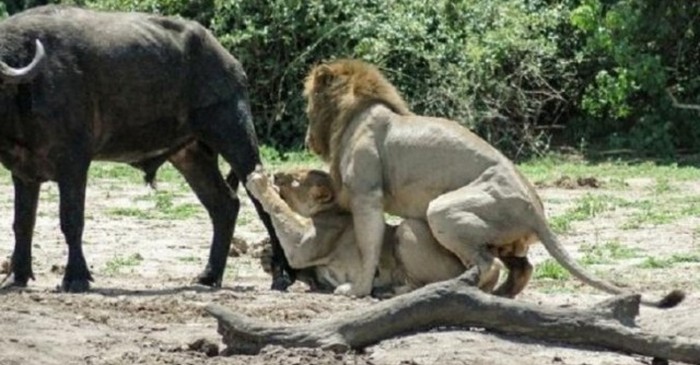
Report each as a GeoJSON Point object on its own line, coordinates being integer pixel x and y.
{"type": "Point", "coordinates": [307, 192]}
{"type": "Point", "coordinates": [335, 92]}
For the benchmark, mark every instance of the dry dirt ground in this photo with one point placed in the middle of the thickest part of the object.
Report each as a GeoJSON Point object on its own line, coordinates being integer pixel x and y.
{"type": "Point", "coordinates": [143, 310]}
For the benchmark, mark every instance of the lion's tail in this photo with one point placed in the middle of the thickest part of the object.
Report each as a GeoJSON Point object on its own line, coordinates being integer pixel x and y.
{"type": "Point", "coordinates": [555, 248]}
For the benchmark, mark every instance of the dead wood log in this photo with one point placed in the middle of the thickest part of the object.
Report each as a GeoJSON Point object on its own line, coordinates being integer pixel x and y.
{"type": "Point", "coordinates": [456, 303]}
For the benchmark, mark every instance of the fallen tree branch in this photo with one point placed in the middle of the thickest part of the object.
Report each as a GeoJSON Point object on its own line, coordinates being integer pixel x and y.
{"type": "Point", "coordinates": [456, 303]}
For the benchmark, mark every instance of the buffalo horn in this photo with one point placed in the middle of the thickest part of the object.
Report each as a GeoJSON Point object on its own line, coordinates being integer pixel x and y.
{"type": "Point", "coordinates": [17, 75]}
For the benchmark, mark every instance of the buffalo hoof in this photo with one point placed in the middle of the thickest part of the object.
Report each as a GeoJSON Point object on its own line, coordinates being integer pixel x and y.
{"type": "Point", "coordinates": [209, 279]}
{"type": "Point", "coordinates": [17, 279]}
{"type": "Point", "coordinates": [281, 282]}
{"type": "Point", "coordinates": [75, 286]}
{"type": "Point", "coordinates": [12, 282]}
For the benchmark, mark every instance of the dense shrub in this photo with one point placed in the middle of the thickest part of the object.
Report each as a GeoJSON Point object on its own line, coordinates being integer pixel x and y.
{"type": "Point", "coordinates": [516, 71]}
{"type": "Point", "coordinates": [486, 64]}
{"type": "Point", "coordinates": [634, 55]}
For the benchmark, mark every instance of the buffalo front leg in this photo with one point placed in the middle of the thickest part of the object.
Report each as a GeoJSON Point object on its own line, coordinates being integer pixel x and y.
{"type": "Point", "coordinates": [198, 164]}
{"type": "Point", "coordinates": [282, 274]}
{"type": "Point", "coordinates": [228, 128]}
{"type": "Point", "coordinates": [26, 201]}
{"type": "Point", "coordinates": [71, 186]}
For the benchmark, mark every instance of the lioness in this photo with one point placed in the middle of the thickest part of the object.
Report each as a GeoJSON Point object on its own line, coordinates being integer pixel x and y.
{"type": "Point", "coordinates": [410, 256]}
{"type": "Point", "coordinates": [384, 158]}
{"type": "Point", "coordinates": [326, 241]}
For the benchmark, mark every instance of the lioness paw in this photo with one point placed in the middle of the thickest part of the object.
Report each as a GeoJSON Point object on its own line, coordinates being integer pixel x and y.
{"type": "Point", "coordinates": [489, 278]}
{"type": "Point", "coordinates": [352, 291]}
{"type": "Point", "coordinates": [344, 289]}
{"type": "Point", "coordinates": [257, 183]}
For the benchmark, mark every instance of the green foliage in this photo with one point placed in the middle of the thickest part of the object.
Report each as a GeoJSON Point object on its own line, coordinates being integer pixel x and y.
{"type": "Point", "coordinates": [660, 210]}
{"type": "Point", "coordinates": [631, 53]}
{"type": "Point", "coordinates": [485, 64]}
{"type": "Point", "coordinates": [585, 208]}
{"type": "Point", "coordinates": [164, 207]}
{"type": "Point", "coordinates": [606, 253]}
{"type": "Point", "coordinates": [511, 70]}
{"type": "Point", "coordinates": [663, 263]}
{"type": "Point", "coordinates": [116, 264]}
{"type": "Point", "coordinates": [553, 167]}
{"type": "Point", "coordinates": [550, 269]}
{"type": "Point", "coordinates": [199, 10]}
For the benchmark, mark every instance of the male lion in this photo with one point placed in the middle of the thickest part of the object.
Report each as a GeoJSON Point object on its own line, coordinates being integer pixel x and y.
{"type": "Point", "coordinates": [325, 242]}
{"type": "Point", "coordinates": [384, 158]}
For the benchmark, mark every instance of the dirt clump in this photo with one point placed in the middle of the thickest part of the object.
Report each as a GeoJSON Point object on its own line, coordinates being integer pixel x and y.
{"type": "Point", "coordinates": [303, 356]}
{"type": "Point", "coordinates": [568, 182]}
{"type": "Point", "coordinates": [204, 346]}
{"type": "Point", "coordinates": [239, 247]}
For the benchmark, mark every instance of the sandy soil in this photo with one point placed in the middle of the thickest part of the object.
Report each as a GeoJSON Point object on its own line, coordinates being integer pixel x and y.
{"type": "Point", "coordinates": [146, 312]}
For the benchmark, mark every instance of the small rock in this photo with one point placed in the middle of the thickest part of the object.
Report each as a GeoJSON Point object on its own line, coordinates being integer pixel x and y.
{"type": "Point", "coordinates": [58, 269]}
{"type": "Point", "coordinates": [591, 182]}
{"type": "Point", "coordinates": [36, 298]}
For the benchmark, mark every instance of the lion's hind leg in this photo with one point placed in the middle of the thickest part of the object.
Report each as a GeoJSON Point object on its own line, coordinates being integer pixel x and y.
{"type": "Point", "coordinates": [465, 220]}
{"type": "Point", "coordinates": [422, 258]}
{"type": "Point", "coordinates": [519, 273]}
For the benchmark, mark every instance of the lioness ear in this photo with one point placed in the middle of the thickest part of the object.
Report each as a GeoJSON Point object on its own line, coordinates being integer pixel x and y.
{"type": "Point", "coordinates": [321, 194]}
{"type": "Point", "coordinates": [323, 75]}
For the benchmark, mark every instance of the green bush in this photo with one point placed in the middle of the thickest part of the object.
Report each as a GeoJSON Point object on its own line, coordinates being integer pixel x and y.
{"type": "Point", "coordinates": [516, 71]}
{"type": "Point", "coordinates": [485, 64]}
{"type": "Point", "coordinates": [634, 55]}
{"type": "Point", "coordinates": [199, 10]}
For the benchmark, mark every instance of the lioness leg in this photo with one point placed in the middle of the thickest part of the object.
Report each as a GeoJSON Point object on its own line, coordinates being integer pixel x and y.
{"type": "Point", "coordinates": [424, 260]}
{"type": "Point", "coordinates": [464, 221]}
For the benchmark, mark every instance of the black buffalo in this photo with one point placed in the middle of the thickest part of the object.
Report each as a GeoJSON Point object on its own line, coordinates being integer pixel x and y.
{"type": "Point", "coordinates": [79, 85]}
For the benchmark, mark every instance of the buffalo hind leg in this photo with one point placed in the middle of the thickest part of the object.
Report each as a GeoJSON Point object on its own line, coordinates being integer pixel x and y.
{"type": "Point", "coordinates": [26, 201]}
{"type": "Point", "coordinates": [71, 186]}
{"type": "Point", "coordinates": [198, 165]}
{"type": "Point", "coordinates": [228, 128]}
